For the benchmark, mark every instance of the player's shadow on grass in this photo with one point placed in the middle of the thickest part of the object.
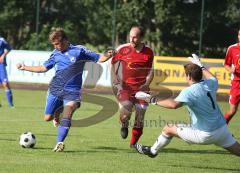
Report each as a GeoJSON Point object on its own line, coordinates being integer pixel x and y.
{"type": "Point", "coordinates": [103, 149]}
{"type": "Point", "coordinates": [42, 148]}
{"type": "Point", "coordinates": [206, 167]}
{"type": "Point", "coordinates": [29, 107]}
{"type": "Point", "coordinates": [7, 139]}
{"type": "Point", "coordinates": [174, 150]}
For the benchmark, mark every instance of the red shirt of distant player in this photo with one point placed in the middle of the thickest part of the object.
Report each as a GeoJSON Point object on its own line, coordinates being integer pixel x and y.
{"type": "Point", "coordinates": [233, 59]}
{"type": "Point", "coordinates": [135, 66]}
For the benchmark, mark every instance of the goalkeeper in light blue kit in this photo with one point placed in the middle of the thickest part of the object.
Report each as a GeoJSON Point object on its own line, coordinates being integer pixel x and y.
{"type": "Point", "coordinates": [5, 48]}
{"type": "Point", "coordinates": [208, 124]}
{"type": "Point", "coordinates": [64, 93]}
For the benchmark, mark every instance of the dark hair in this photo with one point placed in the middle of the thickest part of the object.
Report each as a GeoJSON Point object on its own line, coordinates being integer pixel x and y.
{"type": "Point", "coordinates": [142, 32]}
{"type": "Point", "coordinates": [194, 71]}
{"type": "Point", "coordinates": [57, 33]}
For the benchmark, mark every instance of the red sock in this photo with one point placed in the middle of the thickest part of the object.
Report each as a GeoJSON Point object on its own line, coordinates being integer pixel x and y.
{"type": "Point", "coordinates": [227, 117]}
{"type": "Point", "coordinates": [136, 133]}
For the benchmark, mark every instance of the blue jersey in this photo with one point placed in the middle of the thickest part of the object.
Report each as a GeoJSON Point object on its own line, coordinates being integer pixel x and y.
{"type": "Point", "coordinates": [4, 46]}
{"type": "Point", "coordinates": [200, 99]}
{"type": "Point", "coordinates": [69, 65]}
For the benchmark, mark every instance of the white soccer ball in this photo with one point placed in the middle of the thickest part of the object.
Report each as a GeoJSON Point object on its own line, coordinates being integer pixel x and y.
{"type": "Point", "coordinates": [27, 140]}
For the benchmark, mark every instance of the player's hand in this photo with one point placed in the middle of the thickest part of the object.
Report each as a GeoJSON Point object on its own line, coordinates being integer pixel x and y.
{"type": "Point", "coordinates": [110, 53]}
{"type": "Point", "coordinates": [116, 81]}
{"type": "Point", "coordinates": [20, 66]}
{"type": "Point", "coordinates": [146, 97]}
{"type": "Point", "coordinates": [233, 70]}
{"type": "Point", "coordinates": [195, 60]}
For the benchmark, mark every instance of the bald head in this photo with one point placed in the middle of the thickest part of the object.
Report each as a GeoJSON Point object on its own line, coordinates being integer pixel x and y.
{"type": "Point", "coordinates": [136, 35]}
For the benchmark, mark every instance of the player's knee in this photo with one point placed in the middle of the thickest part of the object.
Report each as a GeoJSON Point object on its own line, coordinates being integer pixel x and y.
{"type": "Point", "coordinates": [126, 107]}
{"type": "Point", "coordinates": [168, 130]}
{"type": "Point", "coordinates": [5, 85]}
{"type": "Point", "coordinates": [125, 117]}
{"type": "Point", "coordinates": [48, 118]}
{"type": "Point", "coordinates": [232, 111]}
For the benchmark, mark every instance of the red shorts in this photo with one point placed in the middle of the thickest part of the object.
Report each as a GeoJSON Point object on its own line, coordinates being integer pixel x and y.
{"type": "Point", "coordinates": [234, 97]}
{"type": "Point", "coordinates": [127, 95]}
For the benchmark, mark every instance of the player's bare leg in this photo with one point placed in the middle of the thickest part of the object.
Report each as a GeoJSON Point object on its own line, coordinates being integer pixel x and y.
{"type": "Point", "coordinates": [232, 111]}
{"type": "Point", "coordinates": [8, 93]}
{"type": "Point", "coordinates": [163, 140]}
{"type": "Point", "coordinates": [138, 124]}
{"type": "Point", "coordinates": [125, 115]}
{"type": "Point", "coordinates": [56, 116]}
{"type": "Point", "coordinates": [48, 117]}
{"type": "Point", "coordinates": [65, 124]}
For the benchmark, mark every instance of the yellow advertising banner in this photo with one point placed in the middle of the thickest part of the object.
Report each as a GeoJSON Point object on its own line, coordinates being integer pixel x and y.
{"type": "Point", "coordinates": [169, 73]}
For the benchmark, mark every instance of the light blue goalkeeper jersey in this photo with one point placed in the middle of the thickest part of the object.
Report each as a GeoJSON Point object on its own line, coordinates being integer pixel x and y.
{"type": "Point", "coordinates": [200, 99]}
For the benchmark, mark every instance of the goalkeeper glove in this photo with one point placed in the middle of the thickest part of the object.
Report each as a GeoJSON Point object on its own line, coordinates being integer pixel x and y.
{"type": "Point", "coordinates": [195, 60]}
{"type": "Point", "coordinates": [146, 97]}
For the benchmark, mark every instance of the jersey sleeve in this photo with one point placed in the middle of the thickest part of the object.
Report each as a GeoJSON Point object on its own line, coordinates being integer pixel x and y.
{"type": "Point", "coordinates": [212, 83]}
{"type": "Point", "coordinates": [117, 57]}
{"type": "Point", "coordinates": [50, 62]}
{"type": "Point", "coordinates": [228, 57]}
{"type": "Point", "coordinates": [6, 45]}
{"type": "Point", "coordinates": [89, 55]}
{"type": "Point", "coordinates": [184, 97]}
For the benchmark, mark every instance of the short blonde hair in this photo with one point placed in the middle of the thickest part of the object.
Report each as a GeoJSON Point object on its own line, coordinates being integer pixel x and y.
{"type": "Point", "coordinates": [57, 33]}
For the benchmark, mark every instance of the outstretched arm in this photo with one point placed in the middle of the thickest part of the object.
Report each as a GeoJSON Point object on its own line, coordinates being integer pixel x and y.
{"type": "Point", "coordinates": [166, 103]}
{"type": "Point", "coordinates": [37, 69]}
{"type": "Point", "coordinates": [169, 103]}
{"type": "Point", "coordinates": [229, 68]}
{"type": "Point", "coordinates": [207, 74]}
{"type": "Point", "coordinates": [149, 79]}
{"type": "Point", "coordinates": [107, 55]}
{"type": "Point", "coordinates": [196, 60]}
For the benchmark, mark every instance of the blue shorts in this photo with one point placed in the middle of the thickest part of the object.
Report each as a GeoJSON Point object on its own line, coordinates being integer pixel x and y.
{"type": "Point", "coordinates": [3, 74]}
{"type": "Point", "coordinates": [54, 104]}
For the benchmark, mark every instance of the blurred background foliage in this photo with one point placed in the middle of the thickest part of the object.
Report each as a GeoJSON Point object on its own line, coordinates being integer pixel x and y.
{"type": "Point", "coordinates": [172, 26]}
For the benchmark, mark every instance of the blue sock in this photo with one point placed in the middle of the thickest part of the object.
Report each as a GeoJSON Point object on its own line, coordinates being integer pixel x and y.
{"type": "Point", "coordinates": [9, 97]}
{"type": "Point", "coordinates": [63, 129]}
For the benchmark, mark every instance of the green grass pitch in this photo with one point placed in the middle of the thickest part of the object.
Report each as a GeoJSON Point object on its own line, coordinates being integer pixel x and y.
{"type": "Point", "coordinates": [99, 148]}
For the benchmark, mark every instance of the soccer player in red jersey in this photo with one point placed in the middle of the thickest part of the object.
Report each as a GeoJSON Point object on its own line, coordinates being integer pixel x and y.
{"type": "Point", "coordinates": [232, 65]}
{"type": "Point", "coordinates": [132, 69]}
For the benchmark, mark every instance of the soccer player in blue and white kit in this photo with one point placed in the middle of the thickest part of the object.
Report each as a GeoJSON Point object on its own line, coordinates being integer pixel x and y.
{"type": "Point", "coordinates": [64, 93]}
{"type": "Point", "coordinates": [5, 48]}
{"type": "Point", "coordinates": [208, 125]}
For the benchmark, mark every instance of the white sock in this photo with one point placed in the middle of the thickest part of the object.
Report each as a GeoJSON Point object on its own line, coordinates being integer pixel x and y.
{"type": "Point", "coordinates": [161, 142]}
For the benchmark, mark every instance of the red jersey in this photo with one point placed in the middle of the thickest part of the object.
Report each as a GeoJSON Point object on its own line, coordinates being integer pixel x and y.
{"type": "Point", "coordinates": [135, 66]}
{"type": "Point", "coordinates": [233, 58]}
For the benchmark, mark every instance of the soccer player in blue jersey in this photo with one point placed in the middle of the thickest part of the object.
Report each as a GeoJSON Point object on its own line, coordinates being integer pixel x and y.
{"type": "Point", "coordinates": [64, 93]}
{"type": "Point", "coordinates": [208, 125]}
{"type": "Point", "coordinates": [5, 48]}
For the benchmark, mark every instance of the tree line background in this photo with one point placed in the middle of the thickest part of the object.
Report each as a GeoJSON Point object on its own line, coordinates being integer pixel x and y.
{"type": "Point", "coordinates": [172, 26]}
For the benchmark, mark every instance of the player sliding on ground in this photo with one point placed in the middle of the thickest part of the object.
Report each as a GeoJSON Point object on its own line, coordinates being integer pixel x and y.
{"type": "Point", "coordinates": [208, 124]}
{"type": "Point", "coordinates": [64, 93]}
